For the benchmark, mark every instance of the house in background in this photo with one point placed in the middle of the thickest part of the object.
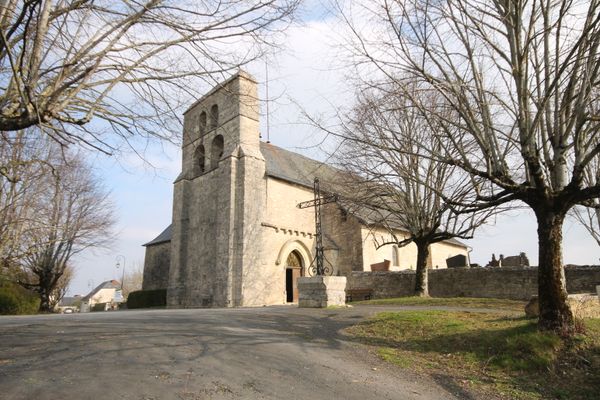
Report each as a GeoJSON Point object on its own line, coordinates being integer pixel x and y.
{"type": "Point", "coordinates": [107, 293]}
{"type": "Point", "coordinates": [69, 304]}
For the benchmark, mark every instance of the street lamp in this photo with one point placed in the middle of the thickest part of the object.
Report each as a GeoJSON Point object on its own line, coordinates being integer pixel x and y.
{"type": "Point", "coordinates": [119, 259]}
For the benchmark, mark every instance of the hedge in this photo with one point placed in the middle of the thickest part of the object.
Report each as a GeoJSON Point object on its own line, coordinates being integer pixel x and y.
{"type": "Point", "coordinates": [147, 298]}
{"type": "Point", "coordinates": [16, 300]}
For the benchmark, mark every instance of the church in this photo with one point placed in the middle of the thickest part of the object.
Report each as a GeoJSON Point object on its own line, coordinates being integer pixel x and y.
{"type": "Point", "coordinates": [237, 236]}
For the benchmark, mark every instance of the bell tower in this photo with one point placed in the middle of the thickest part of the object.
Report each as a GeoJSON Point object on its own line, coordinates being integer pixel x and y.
{"type": "Point", "coordinates": [219, 197]}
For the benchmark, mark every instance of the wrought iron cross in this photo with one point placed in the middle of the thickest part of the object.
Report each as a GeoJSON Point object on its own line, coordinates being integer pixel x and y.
{"type": "Point", "coordinates": [318, 263]}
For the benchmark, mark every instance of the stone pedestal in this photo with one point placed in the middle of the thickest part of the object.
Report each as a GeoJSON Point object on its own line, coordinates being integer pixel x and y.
{"type": "Point", "coordinates": [321, 291]}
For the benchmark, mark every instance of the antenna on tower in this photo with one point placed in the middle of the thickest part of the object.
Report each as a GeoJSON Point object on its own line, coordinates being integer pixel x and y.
{"type": "Point", "coordinates": [267, 87]}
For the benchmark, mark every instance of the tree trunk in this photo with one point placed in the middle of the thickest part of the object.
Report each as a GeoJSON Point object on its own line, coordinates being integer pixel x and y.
{"type": "Point", "coordinates": [555, 313]}
{"type": "Point", "coordinates": [45, 306]}
{"type": "Point", "coordinates": [45, 290]}
{"type": "Point", "coordinates": [421, 281]}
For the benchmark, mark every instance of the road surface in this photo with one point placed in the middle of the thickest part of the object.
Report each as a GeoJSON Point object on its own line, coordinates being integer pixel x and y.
{"type": "Point", "coordinates": [245, 353]}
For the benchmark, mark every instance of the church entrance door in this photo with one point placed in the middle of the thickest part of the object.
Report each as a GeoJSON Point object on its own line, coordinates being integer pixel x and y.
{"type": "Point", "coordinates": [293, 271]}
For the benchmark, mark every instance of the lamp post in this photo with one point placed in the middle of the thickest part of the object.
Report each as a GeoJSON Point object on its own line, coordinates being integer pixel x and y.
{"type": "Point", "coordinates": [119, 259]}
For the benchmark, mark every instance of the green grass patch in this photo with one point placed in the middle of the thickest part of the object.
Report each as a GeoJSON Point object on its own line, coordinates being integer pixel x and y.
{"type": "Point", "coordinates": [390, 355]}
{"type": "Point", "coordinates": [469, 302]}
{"type": "Point", "coordinates": [497, 354]}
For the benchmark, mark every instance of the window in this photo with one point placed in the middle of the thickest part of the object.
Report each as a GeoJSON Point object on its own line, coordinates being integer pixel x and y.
{"type": "Point", "coordinates": [216, 151]}
{"type": "Point", "coordinates": [214, 116]}
{"type": "Point", "coordinates": [395, 255]}
{"type": "Point", "coordinates": [199, 159]}
{"type": "Point", "coordinates": [202, 123]}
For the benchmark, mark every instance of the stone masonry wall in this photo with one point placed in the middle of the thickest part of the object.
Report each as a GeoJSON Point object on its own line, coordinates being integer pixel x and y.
{"type": "Point", "coordinates": [156, 266]}
{"type": "Point", "coordinates": [507, 283]}
{"type": "Point", "coordinates": [212, 211]}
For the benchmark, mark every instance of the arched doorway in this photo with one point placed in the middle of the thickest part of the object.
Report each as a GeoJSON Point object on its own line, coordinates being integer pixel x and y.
{"type": "Point", "coordinates": [293, 270]}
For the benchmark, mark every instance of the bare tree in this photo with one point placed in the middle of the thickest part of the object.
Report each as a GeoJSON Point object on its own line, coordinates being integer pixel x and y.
{"type": "Point", "coordinates": [73, 214]}
{"type": "Point", "coordinates": [589, 217]}
{"type": "Point", "coordinates": [62, 285]}
{"type": "Point", "coordinates": [522, 77]}
{"type": "Point", "coordinates": [383, 135]}
{"type": "Point", "coordinates": [23, 169]}
{"type": "Point", "coordinates": [127, 65]}
{"type": "Point", "coordinates": [133, 279]}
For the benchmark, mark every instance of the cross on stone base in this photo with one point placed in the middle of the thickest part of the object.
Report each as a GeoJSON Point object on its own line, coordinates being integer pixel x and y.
{"type": "Point", "coordinates": [317, 265]}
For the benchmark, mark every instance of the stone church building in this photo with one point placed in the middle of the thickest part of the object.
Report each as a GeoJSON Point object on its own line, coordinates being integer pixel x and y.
{"type": "Point", "coordinates": [237, 237]}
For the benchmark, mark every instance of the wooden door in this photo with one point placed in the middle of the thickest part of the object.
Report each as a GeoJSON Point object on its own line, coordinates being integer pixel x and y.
{"type": "Point", "coordinates": [296, 273]}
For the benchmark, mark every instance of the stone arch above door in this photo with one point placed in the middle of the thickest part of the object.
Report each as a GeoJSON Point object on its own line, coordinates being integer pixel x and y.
{"type": "Point", "coordinates": [290, 246]}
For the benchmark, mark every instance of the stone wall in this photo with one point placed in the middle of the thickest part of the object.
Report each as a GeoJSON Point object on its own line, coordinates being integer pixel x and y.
{"type": "Point", "coordinates": [506, 283]}
{"type": "Point", "coordinates": [217, 206]}
{"type": "Point", "coordinates": [156, 266]}
{"type": "Point", "coordinates": [582, 279]}
{"type": "Point", "coordinates": [383, 284]}
{"type": "Point", "coordinates": [501, 283]}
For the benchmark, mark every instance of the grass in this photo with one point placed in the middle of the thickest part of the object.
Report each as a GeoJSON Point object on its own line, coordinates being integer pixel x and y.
{"type": "Point", "coordinates": [498, 355]}
{"type": "Point", "coordinates": [468, 302]}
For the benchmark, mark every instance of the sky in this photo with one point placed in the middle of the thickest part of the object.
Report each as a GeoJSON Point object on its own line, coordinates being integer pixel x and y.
{"type": "Point", "coordinates": [305, 76]}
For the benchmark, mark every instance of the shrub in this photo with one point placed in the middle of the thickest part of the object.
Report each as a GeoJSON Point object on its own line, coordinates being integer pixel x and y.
{"type": "Point", "coordinates": [15, 300]}
{"type": "Point", "coordinates": [147, 298]}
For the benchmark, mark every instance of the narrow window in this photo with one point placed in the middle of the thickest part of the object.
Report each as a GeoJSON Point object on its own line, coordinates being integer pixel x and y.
{"type": "Point", "coordinates": [199, 159]}
{"type": "Point", "coordinates": [214, 116]}
{"type": "Point", "coordinates": [395, 255]}
{"type": "Point", "coordinates": [216, 151]}
{"type": "Point", "coordinates": [202, 123]}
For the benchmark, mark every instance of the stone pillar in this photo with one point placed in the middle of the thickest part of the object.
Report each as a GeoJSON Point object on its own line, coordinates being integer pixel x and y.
{"type": "Point", "coordinates": [321, 291]}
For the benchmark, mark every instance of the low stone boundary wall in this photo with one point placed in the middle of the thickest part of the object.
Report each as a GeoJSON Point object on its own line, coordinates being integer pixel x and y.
{"type": "Point", "coordinates": [518, 283]}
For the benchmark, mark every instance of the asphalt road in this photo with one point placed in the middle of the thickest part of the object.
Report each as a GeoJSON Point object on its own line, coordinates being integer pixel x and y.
{"type": "Point", "coordinates": [244, 353]}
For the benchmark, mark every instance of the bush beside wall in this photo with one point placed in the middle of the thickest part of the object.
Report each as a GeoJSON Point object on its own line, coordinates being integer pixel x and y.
{"type": "Point", "coordinates": [15, 300]}
{"type": "Point", "coordinates": [147, 298]}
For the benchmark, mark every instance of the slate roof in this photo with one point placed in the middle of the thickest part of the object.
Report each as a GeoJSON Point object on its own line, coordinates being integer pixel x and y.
{"type": "Point", "coordinates": [165, 236]}
{"type": "Point", "coordinates": [295, 168]}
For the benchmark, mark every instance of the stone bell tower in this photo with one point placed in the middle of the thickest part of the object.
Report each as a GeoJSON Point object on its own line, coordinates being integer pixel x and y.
{"type": "Point", "coordinates": [219, 198]}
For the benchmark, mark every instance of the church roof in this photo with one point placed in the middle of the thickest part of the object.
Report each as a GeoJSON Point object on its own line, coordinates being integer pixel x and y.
{"type": "Point", "coordinates": [298, 169]}
{"type": "Point", "coordinates": [294, 167]}
{"type": "Point", "coordinates": [165, 236]}
{"type": "Point", "coordinates": [281, 164]}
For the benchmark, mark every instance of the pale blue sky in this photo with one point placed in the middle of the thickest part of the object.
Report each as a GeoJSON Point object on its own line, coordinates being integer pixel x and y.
{"type": "Point", "coordinates": [305, 75]}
